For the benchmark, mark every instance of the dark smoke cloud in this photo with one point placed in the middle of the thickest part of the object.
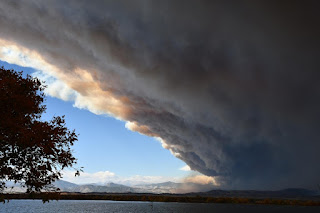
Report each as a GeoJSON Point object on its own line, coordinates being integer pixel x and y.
{"type": "Point", "coordinates": [231, 86]}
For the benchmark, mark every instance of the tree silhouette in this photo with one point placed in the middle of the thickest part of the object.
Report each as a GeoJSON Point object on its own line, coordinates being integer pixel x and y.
{"type": "Point", "coordinates": [32, 151]}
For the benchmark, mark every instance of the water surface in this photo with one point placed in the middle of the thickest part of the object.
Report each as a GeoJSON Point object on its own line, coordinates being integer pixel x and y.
{"type": "Point", "coordinates": [92, 206]}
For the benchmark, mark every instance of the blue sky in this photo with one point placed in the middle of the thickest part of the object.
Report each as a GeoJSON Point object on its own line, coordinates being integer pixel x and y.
{"type": "Point", "coordinates": [106, 145]}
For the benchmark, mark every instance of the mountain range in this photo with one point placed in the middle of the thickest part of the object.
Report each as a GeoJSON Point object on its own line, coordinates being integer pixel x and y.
{"type": "Point", "coordinates": [166, 187]}
{"type": "Point", "coordinates": [174, 188]}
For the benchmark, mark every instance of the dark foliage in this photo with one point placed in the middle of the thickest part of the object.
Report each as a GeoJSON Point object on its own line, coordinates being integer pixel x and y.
{"type": "Point", "coordinates": [32, 151]}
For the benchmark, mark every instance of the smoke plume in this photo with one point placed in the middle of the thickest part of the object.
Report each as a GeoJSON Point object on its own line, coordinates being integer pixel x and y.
{"type": "Point", "coordinates": [230, 87]}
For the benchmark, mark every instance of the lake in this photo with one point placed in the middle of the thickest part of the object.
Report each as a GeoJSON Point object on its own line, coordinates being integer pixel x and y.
{"type": "Point", "coordinates": [69, 206]}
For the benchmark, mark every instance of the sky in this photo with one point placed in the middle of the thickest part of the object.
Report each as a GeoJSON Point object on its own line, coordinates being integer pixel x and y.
{"type": "Point", "coordinates": [229, 89]}
{"type": "Point", "coordinates": [107, 150]}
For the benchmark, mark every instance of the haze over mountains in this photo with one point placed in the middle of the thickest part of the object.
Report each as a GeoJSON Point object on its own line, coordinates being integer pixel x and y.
{"type": "Point", "coordinates": [191, 189]}
{"type": "Point", "coordinates": [165, 187]}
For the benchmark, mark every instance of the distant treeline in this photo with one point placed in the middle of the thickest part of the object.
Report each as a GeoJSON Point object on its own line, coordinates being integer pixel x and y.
{"type": "Point", "coordinates": [45, 197]}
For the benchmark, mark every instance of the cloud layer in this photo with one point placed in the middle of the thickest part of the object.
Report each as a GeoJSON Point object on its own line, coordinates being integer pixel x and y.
{"type": "Point", "coordinates": [231, 88]}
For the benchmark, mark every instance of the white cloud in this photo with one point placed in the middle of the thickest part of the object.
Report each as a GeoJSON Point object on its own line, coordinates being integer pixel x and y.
{"type": "Point", "coordinates": [97, 177]}
{"type": "Point", "coordinates": [55, 87]}
{"type": "Point", "coordinates": [140, 179]}
{"type": "Point", "coordinates": [102, 177]}
{"type": "Point", "coordinates": [185, 168]}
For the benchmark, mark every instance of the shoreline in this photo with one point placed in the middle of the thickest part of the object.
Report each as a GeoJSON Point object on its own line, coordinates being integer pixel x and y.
{"type": "Point", "coordinates": [46, 197]}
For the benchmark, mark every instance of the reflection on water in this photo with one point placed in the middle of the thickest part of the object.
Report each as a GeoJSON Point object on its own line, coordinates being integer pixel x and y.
{"type": "Point", "coordinates": [69, 206]}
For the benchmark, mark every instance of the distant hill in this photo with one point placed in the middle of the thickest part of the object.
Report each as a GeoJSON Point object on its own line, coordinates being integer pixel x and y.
{"type": "Point", "coordinates": [64, 185]}
{"type": "Point", "coordinates": [108, 188]}
{"type": "Point", "coordinates": [157, 188]}
{"type": "Point", "coordinates": [285, 193]}
{"type": "Point", "coordinates": [174, 188]}
{"type": "Point", "coordinates": [166, 187]}
{"type": "Point", "coordinates": [164, 184]}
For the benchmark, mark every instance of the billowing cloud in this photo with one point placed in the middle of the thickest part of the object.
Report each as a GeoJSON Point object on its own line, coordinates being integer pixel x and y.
{"type": "Point", "coordinates": [201, 179]}
{"type": "Point", "coordinates": [230, 88]}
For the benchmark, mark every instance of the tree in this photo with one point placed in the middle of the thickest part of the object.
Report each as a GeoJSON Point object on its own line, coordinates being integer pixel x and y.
{"type": "Point", "coordinates": [33, 152]}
